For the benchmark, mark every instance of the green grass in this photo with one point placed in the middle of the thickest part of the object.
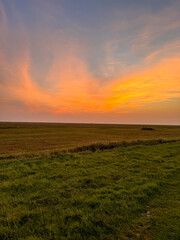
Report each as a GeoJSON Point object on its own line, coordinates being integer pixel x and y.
{"type": "Point", "coordinates": [36, 137]}
{"type": "Point", "coordinates": [102, 195]}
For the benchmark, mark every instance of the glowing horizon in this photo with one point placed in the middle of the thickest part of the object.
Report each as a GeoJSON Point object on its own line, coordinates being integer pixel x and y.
{"type": "Point", "coordinates": [115, 62]}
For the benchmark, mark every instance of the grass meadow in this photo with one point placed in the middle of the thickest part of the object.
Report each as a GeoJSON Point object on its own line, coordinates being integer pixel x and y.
{"type": "Point", "coordinates": [89, 181]}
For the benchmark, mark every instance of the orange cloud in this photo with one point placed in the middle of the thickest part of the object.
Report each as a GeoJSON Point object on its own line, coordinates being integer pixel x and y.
{"type": "Point", "coordinates": [76, 91]}
{"type": "Point", "coordinates": [160, 83]}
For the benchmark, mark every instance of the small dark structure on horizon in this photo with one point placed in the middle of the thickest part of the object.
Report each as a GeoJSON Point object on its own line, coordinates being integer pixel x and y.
{"type": "Point", "coordinates": [147, 128]}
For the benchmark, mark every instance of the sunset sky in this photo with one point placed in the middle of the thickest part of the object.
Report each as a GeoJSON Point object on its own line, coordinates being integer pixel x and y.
{"type": "Point", "coordinates": [96, 61]}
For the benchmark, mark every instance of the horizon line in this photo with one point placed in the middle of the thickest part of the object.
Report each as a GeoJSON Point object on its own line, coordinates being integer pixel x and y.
{"type": "Point", "coordinates": [149, 124]}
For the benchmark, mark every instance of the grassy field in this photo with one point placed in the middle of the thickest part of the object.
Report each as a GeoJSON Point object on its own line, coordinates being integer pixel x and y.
{"type": "Point", "coordinates": [123, 193]}
{"type": "Point", "coordinates": [35, 137]}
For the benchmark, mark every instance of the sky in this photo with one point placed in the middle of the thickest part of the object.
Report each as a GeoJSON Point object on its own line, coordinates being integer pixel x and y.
{"type": "Point", "coordinates": [91, 61]}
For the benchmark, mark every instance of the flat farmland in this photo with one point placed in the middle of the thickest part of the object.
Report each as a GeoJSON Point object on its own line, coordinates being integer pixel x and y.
{"type": "Point", "coordinates": [35, 137]}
